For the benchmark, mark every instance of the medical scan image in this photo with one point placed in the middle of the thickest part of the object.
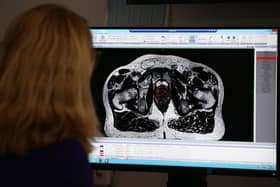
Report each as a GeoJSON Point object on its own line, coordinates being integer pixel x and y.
{"type": "Point", "coordinates": [164, 97]}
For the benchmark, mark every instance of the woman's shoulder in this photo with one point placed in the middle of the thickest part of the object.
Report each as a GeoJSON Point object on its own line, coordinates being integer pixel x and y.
{"type": "Point", "coordinates": [62, 151]}
{"type": "Point", "coordinates": [56, 154]}
{"type": "Point", "coordinates": [63, 162]}
{"type": "Point", "coordinates": [62, 146]}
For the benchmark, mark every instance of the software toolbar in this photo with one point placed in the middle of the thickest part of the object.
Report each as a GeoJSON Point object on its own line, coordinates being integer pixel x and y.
{"type": "Point", "coordinates": [151, 38]}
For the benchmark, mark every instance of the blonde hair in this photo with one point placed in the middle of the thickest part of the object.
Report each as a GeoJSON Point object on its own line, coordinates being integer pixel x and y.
{"type": "Point", "coordinates": [46, 61]}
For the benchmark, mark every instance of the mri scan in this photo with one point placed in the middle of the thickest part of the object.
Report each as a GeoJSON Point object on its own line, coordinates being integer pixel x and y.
{"type": "Point", "coordinates": [164, 97]}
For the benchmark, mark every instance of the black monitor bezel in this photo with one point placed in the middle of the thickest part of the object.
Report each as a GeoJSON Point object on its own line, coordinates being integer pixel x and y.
{"type": "Point", "coordinates": [149, 2]}
{"type": "Point", "coordinates": [214, 171]}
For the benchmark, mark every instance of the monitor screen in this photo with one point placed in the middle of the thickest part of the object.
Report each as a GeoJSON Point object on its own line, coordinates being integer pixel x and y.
{"type": "Point", "coordinates": [184, 97]}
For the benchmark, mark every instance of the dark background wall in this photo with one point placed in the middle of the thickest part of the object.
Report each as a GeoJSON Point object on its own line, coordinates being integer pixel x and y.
{"type": "Point", "coordinates": [242, 14]}
{"type": "Point", "coordinates": [95, 11]}
{"type": "Point", "coordinates": [118, 13]}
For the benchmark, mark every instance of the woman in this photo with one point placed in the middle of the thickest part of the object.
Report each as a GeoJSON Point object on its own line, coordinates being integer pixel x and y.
{"type": "Point", "coordinates": [46, 112]}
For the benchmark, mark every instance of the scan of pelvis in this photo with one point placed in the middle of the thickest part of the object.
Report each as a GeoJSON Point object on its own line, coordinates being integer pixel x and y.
{"type": "Point", "coordinates": [164, 97]}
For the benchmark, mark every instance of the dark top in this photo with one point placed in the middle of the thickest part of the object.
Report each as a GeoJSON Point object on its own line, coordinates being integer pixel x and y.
{"type": "Point", "coordinates": [56, 165]}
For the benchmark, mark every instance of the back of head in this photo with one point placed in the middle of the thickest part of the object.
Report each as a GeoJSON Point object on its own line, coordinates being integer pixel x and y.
{"type": "Point", "coordinates": [46, 62]}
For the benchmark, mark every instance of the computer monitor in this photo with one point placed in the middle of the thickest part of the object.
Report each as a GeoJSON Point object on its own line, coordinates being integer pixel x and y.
{"type": "Point", "coordinates": [186, 98]}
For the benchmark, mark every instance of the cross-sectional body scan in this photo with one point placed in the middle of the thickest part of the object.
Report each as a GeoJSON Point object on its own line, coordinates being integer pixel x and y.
{"type": "Point", "coordinates": [163, 96]}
